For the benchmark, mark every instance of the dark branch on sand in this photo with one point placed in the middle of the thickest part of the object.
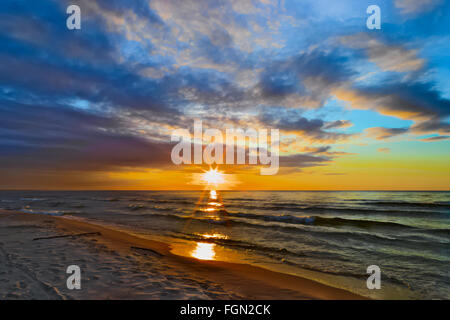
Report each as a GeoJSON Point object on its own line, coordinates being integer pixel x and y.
{"type": "Point", "coordinates": [148, 250]}
{"type": "Point", "coordinates": [71, 235]}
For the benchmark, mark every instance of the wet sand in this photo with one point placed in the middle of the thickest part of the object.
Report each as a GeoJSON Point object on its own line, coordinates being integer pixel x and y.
{"type": "Point", "coordinates": [35, 253]}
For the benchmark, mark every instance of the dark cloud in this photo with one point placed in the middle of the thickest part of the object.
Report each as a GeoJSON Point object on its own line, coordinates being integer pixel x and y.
{"type": "Point", "coordinates": [432, 125]}
{"type": "Point", "coordinates": [291, 120]}
{"type": "Point", "coordinates": [55, 138]}
{"type": "Point", "coordinates": [302, 160]}
{"type": "Point", "coordinates": [338, 124]}
{"type": "Point", "coordinates": [418, 101]}
{"type": "Point", "coordinates": [308, 77]}
{"type": "Point", "coordinates": [322, 149]}
{"type": "Point", "coordinates": [381, 133]}
{"type": "Point", "coordinates": [437, 138]}
{"type": "Point", "coordinates": [76, 64]}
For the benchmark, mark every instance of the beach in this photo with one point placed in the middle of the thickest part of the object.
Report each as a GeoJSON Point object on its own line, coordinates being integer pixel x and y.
{"type": "Point", "coordinates": [118, 265]}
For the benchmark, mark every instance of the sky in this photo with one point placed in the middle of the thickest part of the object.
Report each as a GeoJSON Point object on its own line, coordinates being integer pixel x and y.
{"type": "Point", "coordinates": [94, 108]}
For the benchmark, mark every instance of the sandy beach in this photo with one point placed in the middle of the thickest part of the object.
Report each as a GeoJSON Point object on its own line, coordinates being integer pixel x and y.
{"type": "Point", "coordinates": [36, 250]}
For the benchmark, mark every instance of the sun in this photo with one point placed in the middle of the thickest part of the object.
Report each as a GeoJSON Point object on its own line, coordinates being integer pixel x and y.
{"type": "Point", "coordinates": [213, 177]}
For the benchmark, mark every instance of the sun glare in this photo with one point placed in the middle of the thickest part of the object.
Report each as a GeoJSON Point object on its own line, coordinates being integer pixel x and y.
{"type": "Point", "coordinates": [213, 177]}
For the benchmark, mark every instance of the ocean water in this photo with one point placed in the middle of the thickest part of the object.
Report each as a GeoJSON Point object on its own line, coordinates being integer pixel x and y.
{"type": "Point", "coordinates": [331, 237]}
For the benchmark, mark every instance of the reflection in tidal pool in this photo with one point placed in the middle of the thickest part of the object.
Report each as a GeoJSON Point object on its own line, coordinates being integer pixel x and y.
{"type": "Point", "coordinates": [204, 251]}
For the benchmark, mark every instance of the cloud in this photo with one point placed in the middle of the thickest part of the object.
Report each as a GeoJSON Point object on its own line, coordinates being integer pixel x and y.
{"type": "Point", "coordinates": [322, 149]}
{"type": "Point", "coordinates": [38, 137]}
{"type": "Point", "coordinates": [416, 6]}
{"type": "Point", "coordinates": [436, 138]}
{"type": "Point", "coordinates": [381, 133]}
{"type": "Point", "coordinates": [387, 57]}
{"type": "Point", "coordinates": [417, 101]}
{"type": "Point", "coordinates": [303, 80]}
{"type": "Point", "coordinates": [302, 160]}
{"type": "Point", "coordinates": [433, 125]}
{"type": "Point", "coordinates": [291, 121]}
{"type": "Point", "coordinates": [384, 150]}
{"type": "Point", "coordinates": [326, 151]}
{"type": "Point", "coordinates": [338, 124]}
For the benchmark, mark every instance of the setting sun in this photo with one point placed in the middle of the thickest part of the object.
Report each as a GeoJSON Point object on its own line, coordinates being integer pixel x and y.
{"type": "Point", "coordinates": [213, 177]}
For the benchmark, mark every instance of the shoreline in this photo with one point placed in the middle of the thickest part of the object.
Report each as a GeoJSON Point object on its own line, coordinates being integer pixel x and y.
{"type": "Point", "coordinates": [223, 280]}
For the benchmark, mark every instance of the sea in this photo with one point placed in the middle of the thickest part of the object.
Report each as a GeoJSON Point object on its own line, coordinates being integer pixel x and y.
{"type": "Point", "coordinates": [332, 237]}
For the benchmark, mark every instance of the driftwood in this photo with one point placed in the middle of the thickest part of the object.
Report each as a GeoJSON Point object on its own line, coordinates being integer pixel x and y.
{"type": "Point", "coordinates": [71, 235]}
{"type": "Point", "coordinates": [148, 251]}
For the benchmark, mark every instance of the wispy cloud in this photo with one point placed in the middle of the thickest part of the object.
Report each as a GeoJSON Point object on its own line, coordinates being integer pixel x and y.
{"type": "Point", "coordinates": [416, 6]}
{"type": "Point", "coordinates": [381, 133]}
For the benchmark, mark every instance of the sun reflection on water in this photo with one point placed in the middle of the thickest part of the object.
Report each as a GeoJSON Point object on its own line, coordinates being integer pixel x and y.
{"type": "Point", "coordinates": [215, 204]}
{"type": "Point", "coordinates": [204, 251]}
{"type": "Point", "coordinates": [209, 209]}
{"type": "Point", "coordinates": [212, 208]}
{"type": "Point", "coordinates": [214, 236]}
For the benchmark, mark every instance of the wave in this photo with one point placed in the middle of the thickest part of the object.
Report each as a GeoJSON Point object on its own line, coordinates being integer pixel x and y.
{"type": "Point", "coordinates": [277, 252]}
{"type": "Point", "coordinates": [293, 224]}
{"type": "Point", "coordinates": [105, 199]}
{"type": "Point", "coordinates": [334, 222]}
{"type": "Point", "coordinates": [358, 223]}
{"type": "Point", "coordinates": [242, 199]}
{"type": "Point", "coordinates": [49, 212]}
{"type": "Point", "coordinates": [134, 207]}
{"type": "Point", "coordinates": [32, 199]}
{"type": "Point", "coordinates": [287, 256]}
{"type": "Point", "coordinates": [346, 210]}
{"type": "Point", "coordinates": [169, 201]}
{"type": "Point", "coordinates": [282, 218]}
{"type": "Point", "coordinates": [371, 211]}
{"type": "Point", "coordinates": [290, 228]}
{"type": "Point", "coordinates": [408, 204]}
{"type": "Point", "coordinates": [332, 238]}
{"type": "Point", "coordinates": [320, 221]}
{"type": "Point", "coordinates": [297, 225]}
{"type": "Point", "coordinates": [439, 232]}
{"type": "Point", "coordinates": [358, 275]}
